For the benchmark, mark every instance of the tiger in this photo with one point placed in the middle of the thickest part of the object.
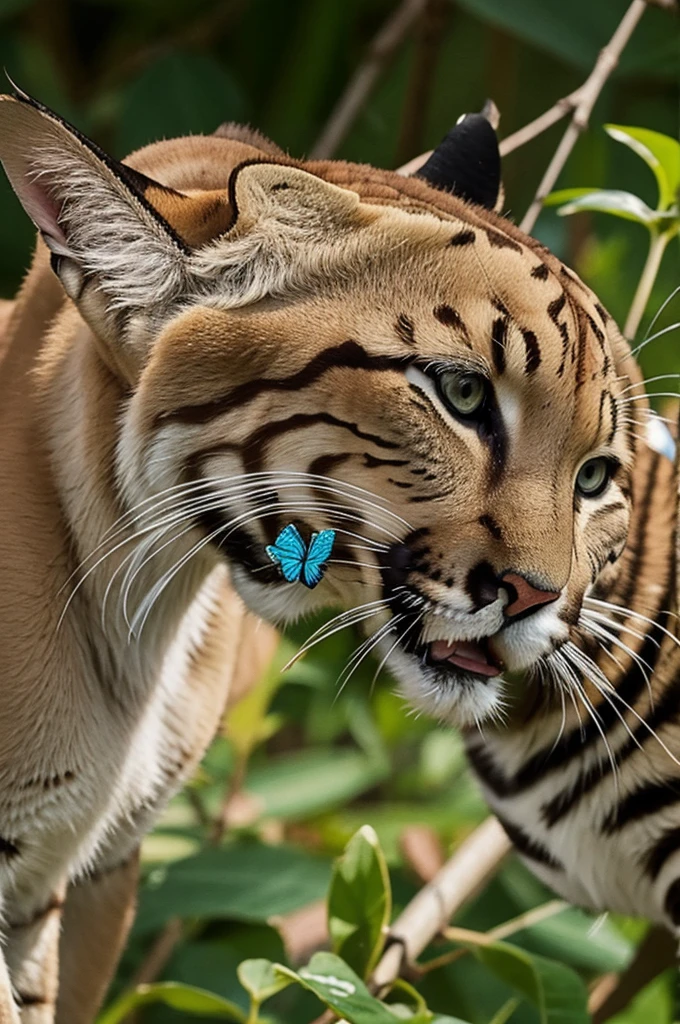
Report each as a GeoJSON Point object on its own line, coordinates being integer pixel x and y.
{"type": "Point", "coordinates": [217, 342]}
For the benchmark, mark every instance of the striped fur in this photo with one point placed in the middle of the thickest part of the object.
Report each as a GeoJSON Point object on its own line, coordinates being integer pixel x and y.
{"type": "Point", "coordinates": [236, 340]}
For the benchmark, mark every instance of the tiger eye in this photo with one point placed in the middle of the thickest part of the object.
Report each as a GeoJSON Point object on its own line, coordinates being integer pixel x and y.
{"type": "Point", "coordinates": [463, 392]}
{"type": "Point", "coordinates": [593, 477]}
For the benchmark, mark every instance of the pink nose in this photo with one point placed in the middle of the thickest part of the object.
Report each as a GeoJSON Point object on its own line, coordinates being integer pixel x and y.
{"type": "Point", "coordinates": [526, 596]}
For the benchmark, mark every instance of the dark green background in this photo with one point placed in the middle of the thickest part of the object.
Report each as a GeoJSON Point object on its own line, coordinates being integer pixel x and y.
{"type": "Point", "coordinates": [130, 71]}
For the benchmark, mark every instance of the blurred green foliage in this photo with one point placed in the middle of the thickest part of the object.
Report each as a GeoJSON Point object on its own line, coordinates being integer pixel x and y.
{"type": "Point", "coordinates": [312, 769]}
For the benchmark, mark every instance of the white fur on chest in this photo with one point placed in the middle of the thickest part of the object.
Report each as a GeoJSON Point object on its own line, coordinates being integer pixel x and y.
{"type": "Point", "coordinates": [111, 769]}
{"type": "Point", "coordinates": [601, 871]}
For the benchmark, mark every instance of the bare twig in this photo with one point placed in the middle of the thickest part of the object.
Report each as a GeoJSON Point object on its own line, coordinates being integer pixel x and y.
{"type": "Point", "coordinates": [657, 247]}
{"type": "Point", "coordinates": [502, 931]}
{"type": "Point", "coordinates": [613, 992]}
{"type": "Point", "coordinates": [465, 873]}
{"type": "Point", "coordinates": [539, 125]}
{"type": "Point", "coordinates": [383, 47]}
{"type": "Point", "coordinates": [159, 953]}
{"type": "Point", "coordinates": [155, 960]}
{"type": "Point", "coordinates": [421, 848]}
{"type": "Point", "coordinates": [584, 101]}
{"type": "Point", "coordinates": [303, 931]}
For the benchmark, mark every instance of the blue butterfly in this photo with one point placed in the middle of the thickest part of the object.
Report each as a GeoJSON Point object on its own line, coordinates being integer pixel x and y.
{"type": "Point", "coordinates": [298, 562]}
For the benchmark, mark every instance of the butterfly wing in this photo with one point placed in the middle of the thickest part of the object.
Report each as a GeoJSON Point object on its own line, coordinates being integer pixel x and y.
{"type": "Point", "coordinates": [288, 551]}
{"type": "Point", "coordinates": [320, 547]}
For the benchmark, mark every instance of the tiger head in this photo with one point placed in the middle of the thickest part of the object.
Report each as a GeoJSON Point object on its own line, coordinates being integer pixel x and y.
{"type": "Point", "coordinates": [342, 348]}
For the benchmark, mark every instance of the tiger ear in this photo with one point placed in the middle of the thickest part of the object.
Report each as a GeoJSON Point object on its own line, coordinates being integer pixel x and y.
{"type": "Point", "coordinates": [93, 212]}
{"type": "Point", "coordinates": [467, 161]}
{"type": "Point", "coordinates": [287, 224]}
{"type": "Point", "coordinates": [288, 197]}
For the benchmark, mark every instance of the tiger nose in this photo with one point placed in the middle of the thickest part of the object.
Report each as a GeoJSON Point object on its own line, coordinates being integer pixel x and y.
{"type": "Point", "coordinates": [523, 595]}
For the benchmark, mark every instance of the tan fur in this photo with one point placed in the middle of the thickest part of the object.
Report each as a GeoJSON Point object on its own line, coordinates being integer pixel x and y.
{"type": "Point", "coordinates": [261, 353]}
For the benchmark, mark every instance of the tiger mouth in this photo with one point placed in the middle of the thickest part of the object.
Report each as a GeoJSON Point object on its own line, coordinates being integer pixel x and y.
{"type": "Point", "coordinates": [475, 657]}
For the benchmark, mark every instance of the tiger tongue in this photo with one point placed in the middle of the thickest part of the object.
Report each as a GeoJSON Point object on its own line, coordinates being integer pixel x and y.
{"type": "Point", "coordinates": [465, 654]}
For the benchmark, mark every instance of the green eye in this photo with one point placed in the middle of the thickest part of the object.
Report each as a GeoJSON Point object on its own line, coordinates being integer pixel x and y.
{"type": "Point", "coordinates": [463, 392]}
{"type": "Point", "coordinates": [593, 477]}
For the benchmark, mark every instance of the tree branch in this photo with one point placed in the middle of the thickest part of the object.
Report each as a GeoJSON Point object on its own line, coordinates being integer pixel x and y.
{"type": "Point", "coordinates": [360, 86]}
{"type": "Point", "coordinates": [473, 864]}
{"type": "Point", "coordinates": [583, 101]}
{"type": "Point", "coordinates": [613, 992]}
{"type": "Point", "coordinates": [580, 103]}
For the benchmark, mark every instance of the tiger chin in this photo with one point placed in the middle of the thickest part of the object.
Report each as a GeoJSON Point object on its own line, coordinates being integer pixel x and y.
{"type": "Point", "coordinates": [217, 342]}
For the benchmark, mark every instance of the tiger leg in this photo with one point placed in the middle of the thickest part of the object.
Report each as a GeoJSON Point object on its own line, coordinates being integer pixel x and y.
{"type": "Point", "coordinates": [33, 960]}
{"type": "Point", "coordinates": [97, 917]}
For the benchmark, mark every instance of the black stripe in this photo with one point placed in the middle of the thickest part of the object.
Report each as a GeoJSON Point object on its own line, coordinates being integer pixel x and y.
{"type": "Point", "coordinates": [491, 525]}
{"type": "Point", "coordinates": [8, 848]}
{"type": "Point", "coordinates": [597, 331]}
{"type": "Point", "coordinates": [648, 799]}
{"type": "Point", "coordinates": [672, 901]}
{"type": "Point", "coordinates": [654, 859]}
{"type": "Point", "coordinates": [324, 463]}
{"type": "Point", "coordinates": [614, 412]}
{"type": "Point", "coordinates": [501, 241]}
{"type": "Point", "coordinates": [533, 357]}
{"type": "Point", "coordinates": [254, 448]}
{"type": "Point", "coordinates": [583, 322]}
{"type": "Point", "coordinates": [554, 309]}
{"type": "Point", "coordinates": [629, 690]}
{"type": "Point", "coordinates": [23, 999]}
{"type": "Point", "coordinates": [603, 312]}
{"type": "Point", "coordinates": [600, 409]}
{"type": "Point", "coordinates": [499, 337]}
{"type": "Point", "coordinates": [405, 329]}
{"type": "Point", "coordinates": [606, 510]}
{"type": "Point", "coordinates": [349, 355]}
{"type": "Point", "coordinates": [450, 317]}
{"type": "Point", "coordinates": [552, 758]}
{"type": "Point", "coordinates": [528, 846]}
{"type": "Point", "coordinates": [463, 238]}
{"type": "Point", "coordinates": [637, 544]}
{"type": "Point", "coordinates": [540, 272]}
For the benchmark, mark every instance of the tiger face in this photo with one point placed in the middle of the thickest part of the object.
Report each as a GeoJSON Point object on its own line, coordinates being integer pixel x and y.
{"type": "Point", "coordinates": [344, 349]}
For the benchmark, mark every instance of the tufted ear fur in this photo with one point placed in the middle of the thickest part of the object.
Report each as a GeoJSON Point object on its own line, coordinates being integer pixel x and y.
{"type": "Point", "coordinates": [467, 162]}
{"type": "Point", "coordinates": [288, 226]}
{"type": "Point", "coordinates": [144, 245]}
{"type": "Point", "coordinates": [93, 212]}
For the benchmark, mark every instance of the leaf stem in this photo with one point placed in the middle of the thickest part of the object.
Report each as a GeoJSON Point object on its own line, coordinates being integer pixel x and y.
{"type": "Point", "coordinates": [657, 246]}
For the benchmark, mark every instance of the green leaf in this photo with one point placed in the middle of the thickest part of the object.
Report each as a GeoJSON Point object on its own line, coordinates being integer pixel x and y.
{"type": "Point", "coordinates": [564, 195]}
{"type": "Point", "coordinates": [339, 988]}
{"type": "Point", "coordinates": [448, 1020]}
{"type": "Point", "coordinates": [570, 938]}
{"type": "Point", "coordinates": [614, 201]}
{"type": "Point", "coordinates": [179, 997]}
{"type": "Point", "coordinates": [577, 31]}
{"type": "Point", "coordinates": [660, 152]}
{"type": "Point", "coordinates": [360, 902]}
{"type": "Point", "coordinates": [555, 990]}
{"type": "Point", "coordinates": [311, 781]}
{"type": "Point", "coordinates": [260, 980]}
{"type": "Point", "coordinates": [246, 722]}
{"type": "Point", "coordinates": [243, 881]}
